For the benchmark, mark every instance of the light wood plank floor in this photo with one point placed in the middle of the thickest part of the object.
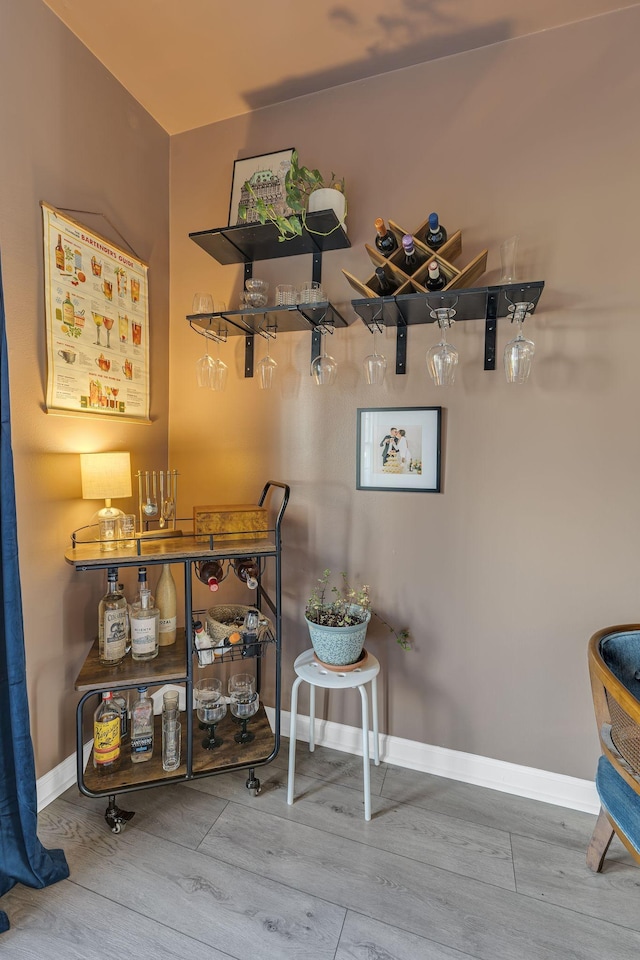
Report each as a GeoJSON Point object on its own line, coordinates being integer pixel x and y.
{"type": "Point", "coordinates": [444, 871]}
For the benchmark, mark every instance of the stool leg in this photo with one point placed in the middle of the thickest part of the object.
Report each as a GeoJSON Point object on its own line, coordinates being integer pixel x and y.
{"type": "Point", "coordinates": [365, 752]}
{"type": "Point", "coordinates": [292, 739]}
{"type": "Point", "coordinates": [312, 718]}
{"type": "Point", "coordinates": [374, 711]}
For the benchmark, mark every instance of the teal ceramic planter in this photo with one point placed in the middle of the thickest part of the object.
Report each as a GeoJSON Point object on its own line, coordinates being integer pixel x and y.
{"type": "Point", "coordinates": [338, 646]}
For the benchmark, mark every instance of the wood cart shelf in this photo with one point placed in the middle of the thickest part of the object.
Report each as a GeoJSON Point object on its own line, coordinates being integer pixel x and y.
{"type": "Point", "coordinates": [176, 663]}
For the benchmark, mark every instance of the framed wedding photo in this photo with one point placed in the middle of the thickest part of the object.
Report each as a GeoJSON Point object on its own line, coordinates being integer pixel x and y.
{"type": "Point", "coordinates": [398, 448]}
{"type": "Point", "coordinates": [265, 174]}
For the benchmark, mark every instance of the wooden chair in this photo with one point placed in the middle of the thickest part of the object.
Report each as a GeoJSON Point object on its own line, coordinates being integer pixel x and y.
{"type": "Point", "coordinates": [614, 668]}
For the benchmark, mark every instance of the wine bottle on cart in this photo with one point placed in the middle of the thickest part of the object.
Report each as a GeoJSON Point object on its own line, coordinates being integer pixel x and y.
{"type": "Point", "coordinates": [385, 241]}
{"type": "Point", "coordinates": [210, 572]}
{"type": "Point", "coordinates": [166, 603]}
{"type": "Point", "coordinates": [247, 569]}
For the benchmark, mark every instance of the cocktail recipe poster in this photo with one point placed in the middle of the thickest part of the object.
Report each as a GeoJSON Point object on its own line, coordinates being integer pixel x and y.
{"type": "Point", "coordinates": [97, 316]}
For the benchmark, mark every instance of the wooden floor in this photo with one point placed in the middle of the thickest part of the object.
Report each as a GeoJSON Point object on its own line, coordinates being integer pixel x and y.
{"type": "Point", "coordinates": [443, 871]}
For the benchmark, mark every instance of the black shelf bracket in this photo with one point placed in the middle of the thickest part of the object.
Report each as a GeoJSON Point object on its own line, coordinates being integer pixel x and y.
{"type": "Point", "coordinates": [401, 348]}
{"type": "Point", "coordinates": [248, 355]}
{"type": "Point", "coordinates": [490, 328]}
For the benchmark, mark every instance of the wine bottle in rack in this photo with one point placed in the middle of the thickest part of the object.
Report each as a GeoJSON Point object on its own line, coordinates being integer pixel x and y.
{"type": "Point", "coordinates": [436, 235]}
{"type": "Point", "coordinates": [112, 623]}
{"type": "Point", "coordinates": [247, 569]}
{"type": "Point", "coordinates": [435, 279]}
{"type": "Point", "coordinates": [166, 603]}
{"type": "Point", "coordinates": [385, 241]}
{"type": "Point", "coordinates": [386, 285]}
{"type": "Point", "coordinates": [210, 572]}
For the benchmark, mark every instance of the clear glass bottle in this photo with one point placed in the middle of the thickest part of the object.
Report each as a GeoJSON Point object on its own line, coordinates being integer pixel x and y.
{"type": "Point", "coordinates": [145, 621]}
{"type": "Point", "coordinates": [142, 727]}
{"type": "Point", "coordinates": [436, 235]}
{"type": "Point", "coordinates": [106, 736]}
{"type": "Point", "coordinates": [128, 625]}
{"type": "Point", "coordinates": [112, 623]}
{"type": "Point", "coordinates": [385, 241]}
{"type": "Point", "coordinates": [247, 569]}
{"type": "Point", "coordinates": [121, 704]}
{"type": "Point", "coordinates": [143, 584]}
{"type": "Point", "coordinates": [166, 603]}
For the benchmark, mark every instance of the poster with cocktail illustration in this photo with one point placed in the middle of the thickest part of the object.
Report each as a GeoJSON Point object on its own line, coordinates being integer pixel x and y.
{"type": "Point", "coordinates": [97, 317]}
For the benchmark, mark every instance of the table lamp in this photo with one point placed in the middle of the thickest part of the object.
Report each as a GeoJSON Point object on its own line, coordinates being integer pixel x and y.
{"type": "Point", "coordinates": [106, 476]}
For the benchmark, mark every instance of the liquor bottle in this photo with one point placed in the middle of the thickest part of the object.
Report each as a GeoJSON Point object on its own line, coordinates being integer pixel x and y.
{"type": "Point", "coordinates": [436, 279]}
{"type": "Point", "coordinates": [385, 240]}
{"type": "Point", "coordinates": [436, 235]}
{"type": "Point", "coordinates": [121, 704]}
{"type": "Point", "coordinates": [143, 584]}
{"type": "Point", "coordinates": [59, 254]}
{"type": "Point", "coordinates": [166, 603]}
{"type": "Point", "coordinates": [211, 573]}
{"type": "Point", "coordinates": [247, 569]}
{"type": "Point", "coordinates": [142, 727]}
{"type": "Point", "coordinates": [112, 623]}
{"type": "Point", "coordinates": [127, 646]}
{"type": "Point", "coordinates": [68, 311]}
{"type": "Point", "coordinates": [106, 736]}
{"type": "Point", "coordinates": [386, 285]}
{"type": "Point", "coordinates": [144, 628]}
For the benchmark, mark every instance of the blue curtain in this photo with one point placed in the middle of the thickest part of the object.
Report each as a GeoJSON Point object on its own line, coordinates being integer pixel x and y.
{"type": "Point", "coordinates": [23, 859]}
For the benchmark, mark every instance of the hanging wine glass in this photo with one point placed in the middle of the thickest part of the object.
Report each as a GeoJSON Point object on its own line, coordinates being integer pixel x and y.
{"type": "Point", "coordinates": [266, 368]}
{"type": "Point", "coordinates": [375, 365]}
{"type": "Point", "coordinates": [204, 368]}
{"type": "Point", "coordinates": [324, 368]}
{"type": "Point", "coordinates": [218, 378]}
{"type": "Point", "coordinates": [442, 359]}
{"type": "Point", "coordinates": [518, 354]}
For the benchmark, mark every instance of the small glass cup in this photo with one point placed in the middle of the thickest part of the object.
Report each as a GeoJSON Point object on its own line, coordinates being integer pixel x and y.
{"type": "Point", "coordinates": [311, 292]}
{"type": "Point", "coordinates": [286, 295]}
{"type": "Point", "coordinates": [170, 702]}
{"type": "Point", "coordinates": [127, 525]}
{"type": "Point", "coordinates": [109, 528]}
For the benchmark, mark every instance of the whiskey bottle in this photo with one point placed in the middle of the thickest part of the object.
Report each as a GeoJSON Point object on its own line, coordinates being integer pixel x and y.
{"type": "Point", "coordinates": [59, 254]}
{"type": "Point", "coordinates": [142, 727]}
{"type": "Point", "coordinates": [112, 623]}
{"type": "Point", "coordinates": [68, 311]}
{"type": "Point", "coordinates": [436, 235]}
{"type": "Point", "coordinates": [144, 628]}
{"type": "Point", "coordinates": [247, 570]}
{"type": "Point", "coordinates": [166, 603]}
{"type": "Point", "coordinates": [435, 279]}
{"type": "Point", "coordinates": [211, 573]}
{"type": "Point", "coordinates": [385, 240]}
{"type": "Point", "coordinates": [106, 736]}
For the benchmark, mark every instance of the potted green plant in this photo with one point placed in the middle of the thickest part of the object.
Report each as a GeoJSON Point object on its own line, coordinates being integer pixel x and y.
{"type": "Point", "coordinates": [305, 191]}
{"type": "Point", "coordinates": [338, 618]}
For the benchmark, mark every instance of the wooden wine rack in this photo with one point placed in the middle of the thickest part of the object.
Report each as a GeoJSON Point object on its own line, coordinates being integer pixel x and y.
{"type": "Point", "coordinates": [394, 266]}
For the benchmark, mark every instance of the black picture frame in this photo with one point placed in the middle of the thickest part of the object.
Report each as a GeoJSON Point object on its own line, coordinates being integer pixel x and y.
{"type": "Point", "coordinates": [380, 464]}
{"type": "Point", "coordinates": [271, 190]}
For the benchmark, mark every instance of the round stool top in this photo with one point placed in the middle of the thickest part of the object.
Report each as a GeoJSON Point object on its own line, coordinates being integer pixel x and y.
{"type": "Point", "coordinates": [313, 672]}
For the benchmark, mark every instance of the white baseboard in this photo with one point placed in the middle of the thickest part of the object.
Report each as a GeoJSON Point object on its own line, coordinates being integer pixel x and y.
{"type": "Point", "coordinates": [511, 778]}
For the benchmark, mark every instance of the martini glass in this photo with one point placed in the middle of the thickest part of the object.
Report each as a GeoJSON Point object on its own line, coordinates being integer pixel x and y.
{"type": "Point", "coordinates": [375, 365]}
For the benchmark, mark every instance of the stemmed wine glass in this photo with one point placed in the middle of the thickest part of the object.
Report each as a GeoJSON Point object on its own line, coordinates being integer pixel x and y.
{"type": "Point", "coordinates": [211, 709]}
{"type": "Point", "coordinates": [519, 352]}
{"type": "Point", "coordinates": [375, 365]}
{"type": "Point", "coordinates": [266, 368]}
{"type": "Point", "coordinates": [204, 368]}
{"type": "Point", "coordinates": [108, 323]}
{"type": "Point", "coordinates": [97, 319]}
{"type": "Point", "coordinates": [324, 368]}
{"type": "Point", "coordinates": [442, 359]}
{"type": "Point", "coordinates": [243, 703]}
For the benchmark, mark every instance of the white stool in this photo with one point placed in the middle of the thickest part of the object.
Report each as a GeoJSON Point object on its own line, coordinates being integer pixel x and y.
{"type": "Point", "coordinates": [313, 673]}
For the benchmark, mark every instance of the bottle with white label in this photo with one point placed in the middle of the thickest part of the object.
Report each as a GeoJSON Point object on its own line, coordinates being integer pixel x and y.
{"type": "Point", "coordinates": [167, 605]}
{"type": "Point", "coordinates": [112, 623]}
{"type": "Point", "coordinates": [144, 621]}
{"type": "Point", "coordinates": [142, 727]}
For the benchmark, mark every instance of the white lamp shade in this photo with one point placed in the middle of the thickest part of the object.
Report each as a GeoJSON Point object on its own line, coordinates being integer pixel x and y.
{"type": "Point", "coordinates": [105, 476]}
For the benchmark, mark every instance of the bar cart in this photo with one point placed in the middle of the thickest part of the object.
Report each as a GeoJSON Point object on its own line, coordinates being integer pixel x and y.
{"type": "Point", "coordinates": [175, 664]}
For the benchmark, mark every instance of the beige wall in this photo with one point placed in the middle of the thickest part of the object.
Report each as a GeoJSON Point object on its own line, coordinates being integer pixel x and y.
{"type": "Point", "coordinates": [532, 545]}
{"type": "Point", "coordinates": [71, 135]}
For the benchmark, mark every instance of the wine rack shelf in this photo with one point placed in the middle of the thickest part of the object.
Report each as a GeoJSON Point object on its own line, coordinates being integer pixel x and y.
{"type": "Point", "coordinates": [177, 663]}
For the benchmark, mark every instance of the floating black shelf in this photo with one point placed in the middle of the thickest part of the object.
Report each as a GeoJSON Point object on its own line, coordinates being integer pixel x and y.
{"type": "Point", "coordinates": [267, 320]}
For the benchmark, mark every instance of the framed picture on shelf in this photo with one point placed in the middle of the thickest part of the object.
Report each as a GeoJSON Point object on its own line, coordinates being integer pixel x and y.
{"type": "Point", "coordinates": [398, 448]}
{"type": "Point", "coordinates": [265, 175]}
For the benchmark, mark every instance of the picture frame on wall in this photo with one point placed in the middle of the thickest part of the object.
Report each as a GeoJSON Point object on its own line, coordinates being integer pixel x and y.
{"type": "Point", "coordinates": [398, 448]}
{"type": "Point", "coordinates": [266, 174]}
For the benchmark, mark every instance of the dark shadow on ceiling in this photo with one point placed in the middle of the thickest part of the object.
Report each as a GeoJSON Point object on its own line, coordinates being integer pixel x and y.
{"type": "Point", "coordinates": [389, 43]}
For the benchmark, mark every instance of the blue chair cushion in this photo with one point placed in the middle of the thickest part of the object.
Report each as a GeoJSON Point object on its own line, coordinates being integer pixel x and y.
{"type": "Point", "coordinates": [621, 653]}
{"type": "Point", "coordinates": [620, 801]}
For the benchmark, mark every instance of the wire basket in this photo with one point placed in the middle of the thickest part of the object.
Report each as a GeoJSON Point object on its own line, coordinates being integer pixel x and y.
{"type": "Point", "coordinates": [225, 619]}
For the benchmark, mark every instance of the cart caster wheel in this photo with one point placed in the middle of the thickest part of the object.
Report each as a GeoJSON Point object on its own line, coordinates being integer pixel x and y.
{"type": "Point", "coordinates": [253, 786]}
{"type": "Point", "coordinates": [116, 818]}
